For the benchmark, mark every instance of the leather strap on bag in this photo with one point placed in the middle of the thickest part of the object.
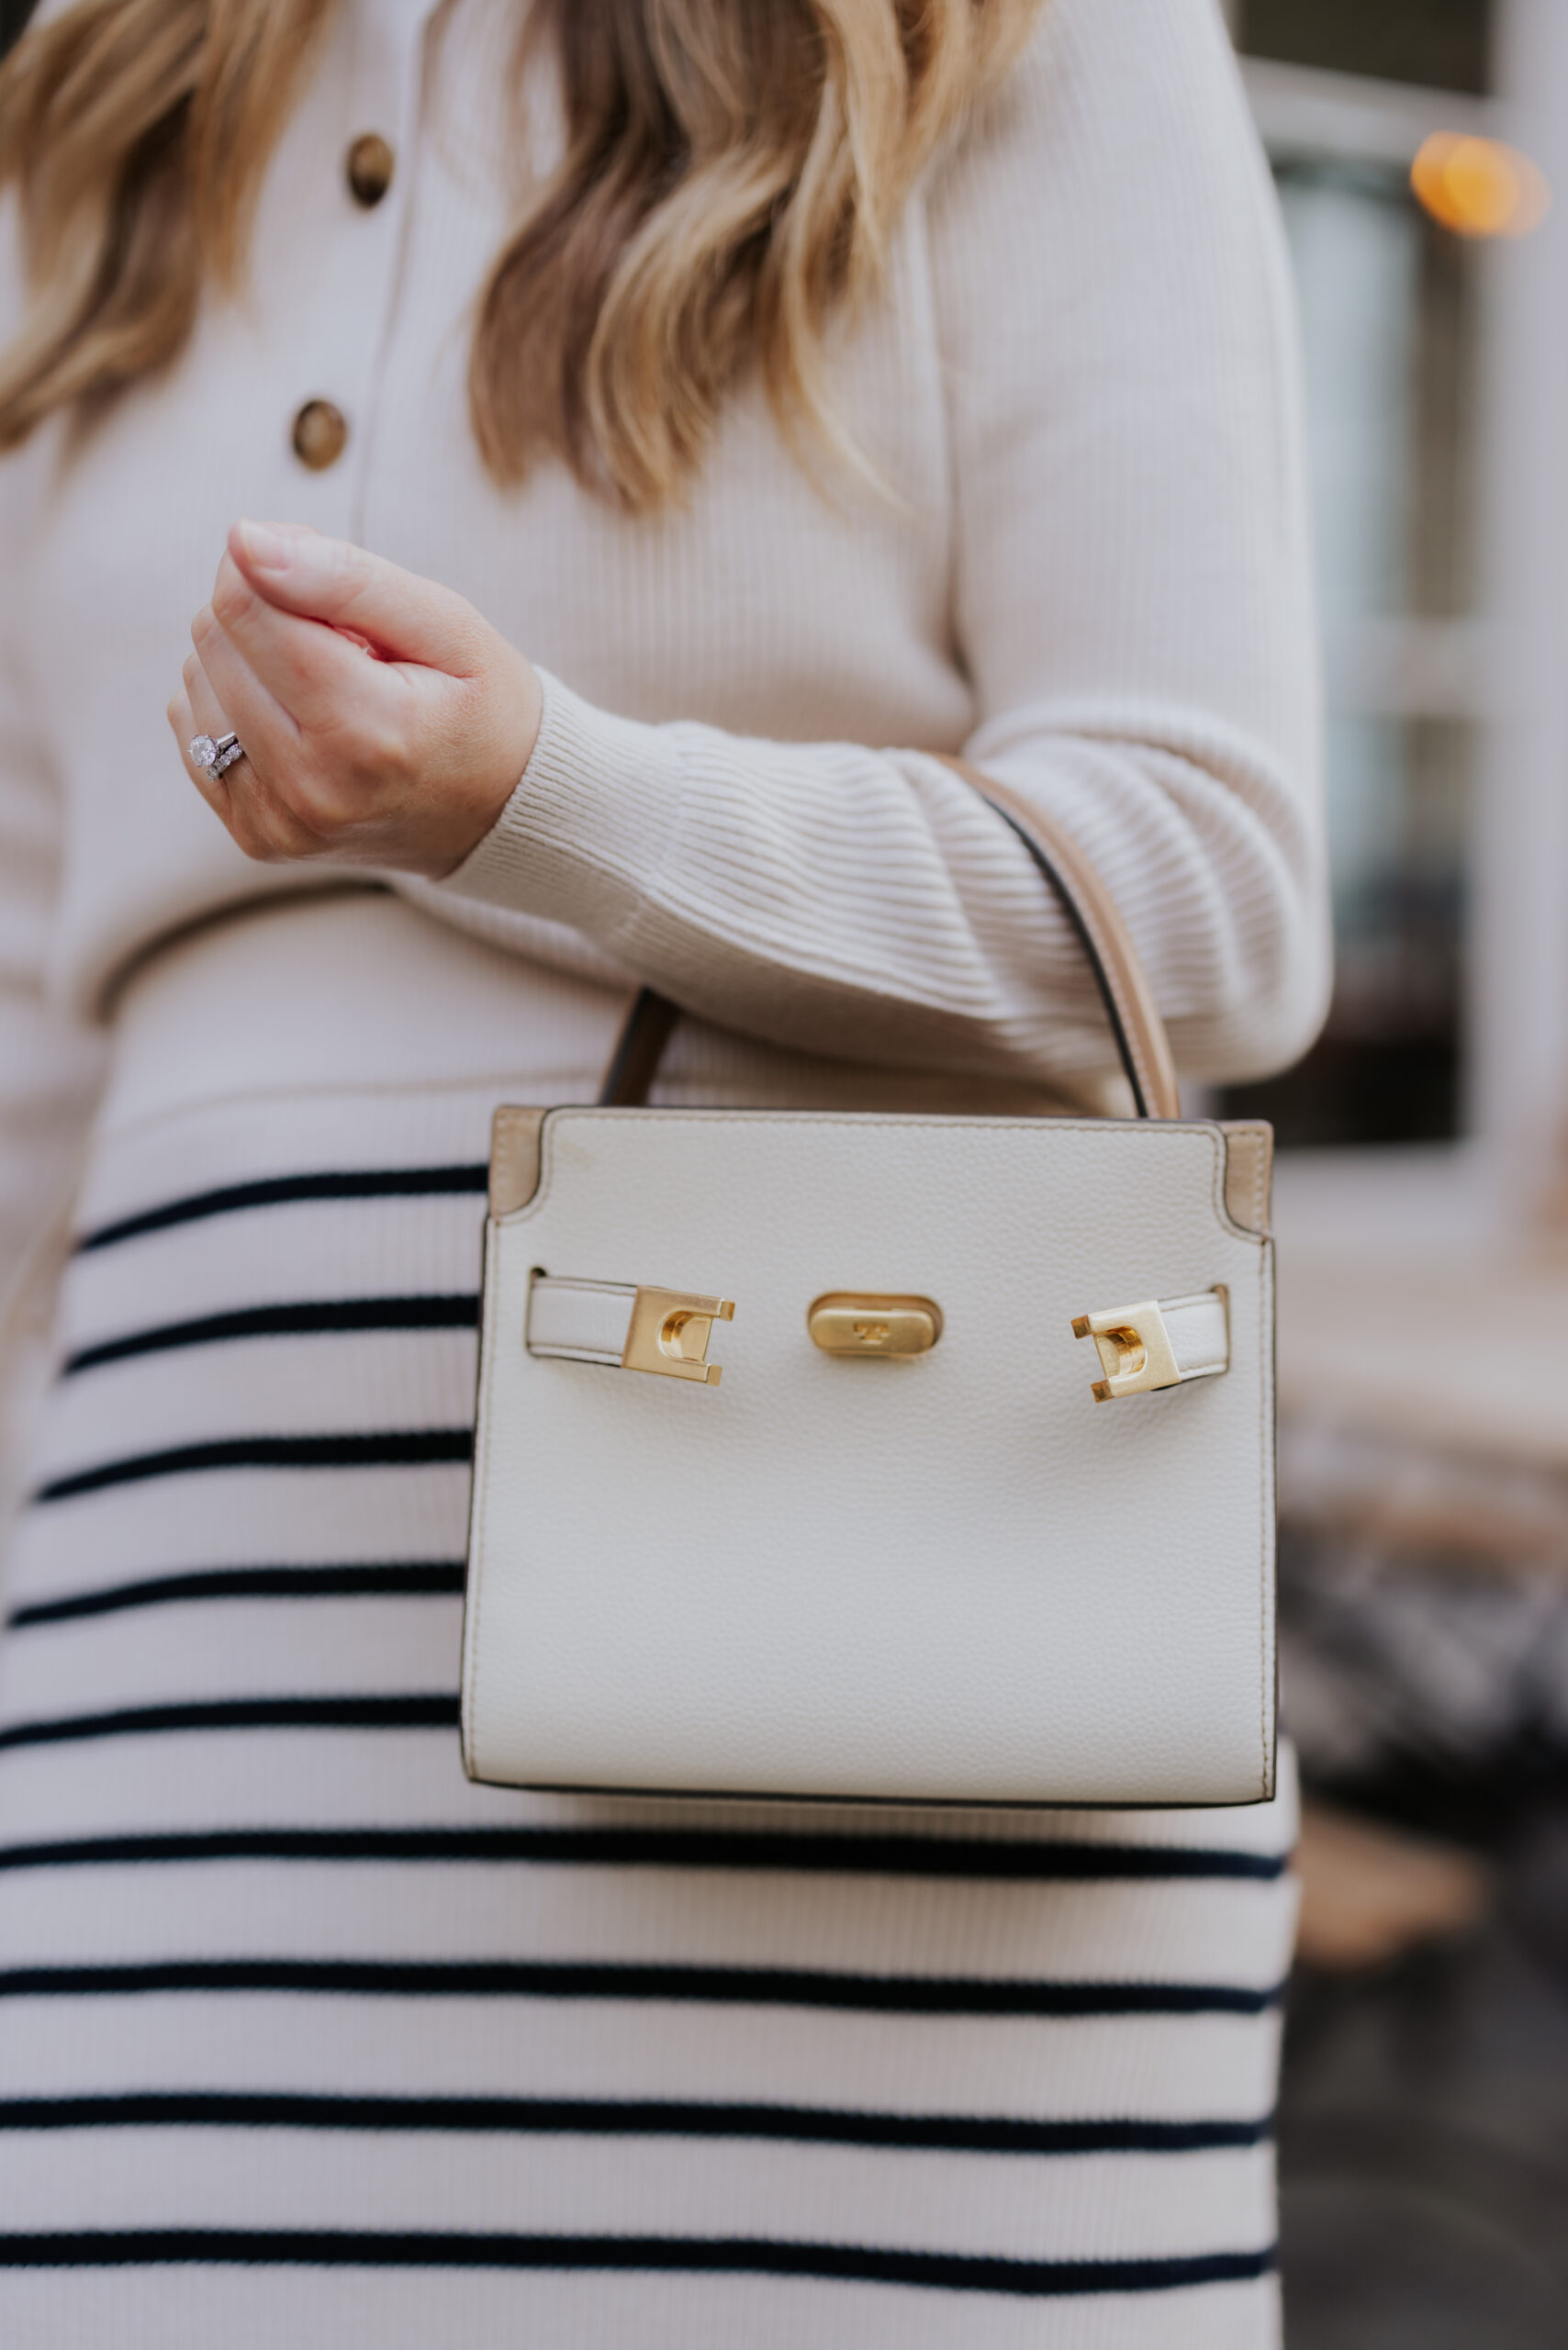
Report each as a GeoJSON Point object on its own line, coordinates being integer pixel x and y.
{"type": "Point", "coordinates": [1141, 1043]}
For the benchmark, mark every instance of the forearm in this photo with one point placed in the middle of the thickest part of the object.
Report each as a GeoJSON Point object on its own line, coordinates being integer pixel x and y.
{"type": "Point", "coordinates": [866, 903]}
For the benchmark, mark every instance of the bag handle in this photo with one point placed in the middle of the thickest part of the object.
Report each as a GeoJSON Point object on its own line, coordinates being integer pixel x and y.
{"type": "Point", "coordinates": [1142, 1045]}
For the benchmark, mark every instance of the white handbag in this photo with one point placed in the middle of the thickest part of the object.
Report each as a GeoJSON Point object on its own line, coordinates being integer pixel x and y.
{"type": "Point", "coordinates": [984, 1509]}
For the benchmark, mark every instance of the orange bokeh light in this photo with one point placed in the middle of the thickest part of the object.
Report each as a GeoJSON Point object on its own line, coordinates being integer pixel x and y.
{"type": "Point", "coordinates": [1479, 187]}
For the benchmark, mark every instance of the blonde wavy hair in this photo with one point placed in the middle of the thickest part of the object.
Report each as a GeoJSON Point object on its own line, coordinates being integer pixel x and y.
{"type": "Point", "coordinates": [732, 173]}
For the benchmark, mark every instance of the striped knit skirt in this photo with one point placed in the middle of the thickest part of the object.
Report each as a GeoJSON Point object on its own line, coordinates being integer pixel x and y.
{"type": "Point", "coordinates": [305, 2041]}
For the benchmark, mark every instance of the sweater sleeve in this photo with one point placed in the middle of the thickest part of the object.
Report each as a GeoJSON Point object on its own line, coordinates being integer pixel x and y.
{"type": "Point", "coordinates": [1129, 604]}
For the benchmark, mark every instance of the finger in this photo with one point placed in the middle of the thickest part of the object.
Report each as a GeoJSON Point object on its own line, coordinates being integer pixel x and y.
{"type": "Point", "coordinates": [206, 709]}
{"type": "Point", "coordinates": [319, 676]}
{"type": "Point", "coordinates": [195, 710]}
{"type": "Point", "coordinates": [267, 730]}
{"type": "Point", "coordinates": [247, 795]}
{"type": "Point", "coordinates": [329, 579]}
{"type": "Point", "coordinates": [182, 724]}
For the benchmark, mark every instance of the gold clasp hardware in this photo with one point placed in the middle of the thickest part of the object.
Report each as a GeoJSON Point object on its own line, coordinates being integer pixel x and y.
{"type": "Point", "coordinates": [845, 1324]}
{"type": "Point", "coordinates": [1134, 1350]}
{"type": "Point", "coordinates": [669, 1334]}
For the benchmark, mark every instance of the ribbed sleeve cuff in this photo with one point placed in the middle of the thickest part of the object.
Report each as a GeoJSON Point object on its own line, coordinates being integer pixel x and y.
{"type": "Point", "coordinates": [588, 825]}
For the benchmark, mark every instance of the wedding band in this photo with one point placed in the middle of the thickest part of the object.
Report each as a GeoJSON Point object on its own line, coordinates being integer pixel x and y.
{"type": "Point", "coordinates": [216, 756]}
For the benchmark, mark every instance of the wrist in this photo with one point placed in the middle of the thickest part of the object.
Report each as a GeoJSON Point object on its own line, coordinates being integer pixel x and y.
{"type": "Point", "coordinates": [589, 824]}
{"type": "Point", "coordinates": [513, 723]}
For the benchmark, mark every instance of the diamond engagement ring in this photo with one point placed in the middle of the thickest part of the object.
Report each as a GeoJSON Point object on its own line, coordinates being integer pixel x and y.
{"type": "Point", "coordinates": [216, 756]}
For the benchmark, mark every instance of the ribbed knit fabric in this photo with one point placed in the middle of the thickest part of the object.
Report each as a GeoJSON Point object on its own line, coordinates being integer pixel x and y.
{"type": "Point", "coordinates": [279, 1988]}
{"type": "Point", "coordinates": [327, 2046]}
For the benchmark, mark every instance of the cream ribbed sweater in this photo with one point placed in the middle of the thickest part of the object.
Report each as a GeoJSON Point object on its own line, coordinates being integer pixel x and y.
{"type": "Point", "coordinates": [1086, 566]}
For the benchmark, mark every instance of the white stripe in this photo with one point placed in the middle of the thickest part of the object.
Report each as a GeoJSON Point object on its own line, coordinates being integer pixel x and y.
{"type": "Point", "coordinates": [278, 1254]}
{"type": "Point", "coordinates": [1085, 2207]}
{"type": "Point", "coordinates": [1174, 1934]}
{"type": "Point", "coordinates": [249, 2309]}
{"type": "Point", "coordinates": [161, 1656]}
{"type": "Point", "coordinates": [347, 1778]}
{"type": "Point", "coordinates": [1159, 2068]}
{"type": "Point", "coordinates": [254, 1138]}
{"type": "Point", "coordinates": [235, 1517]}
{"type": "Point", "coordinates": [367, 1381]}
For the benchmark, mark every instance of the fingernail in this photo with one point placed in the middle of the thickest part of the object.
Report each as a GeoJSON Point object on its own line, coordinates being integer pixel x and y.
{"type": "Point", "coordinates": [268, 549]}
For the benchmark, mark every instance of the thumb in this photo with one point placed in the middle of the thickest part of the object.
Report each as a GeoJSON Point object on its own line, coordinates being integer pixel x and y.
{"type": "Point", "coordinates": [405, 618]}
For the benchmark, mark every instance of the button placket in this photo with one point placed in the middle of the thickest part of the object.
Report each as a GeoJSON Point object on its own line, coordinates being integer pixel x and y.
{"type": "Point", "coordinates": [381, 87]}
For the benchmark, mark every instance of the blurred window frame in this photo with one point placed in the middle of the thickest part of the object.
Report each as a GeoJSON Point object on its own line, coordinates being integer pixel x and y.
{"type": "Point", "coordinates": [1503, 666]}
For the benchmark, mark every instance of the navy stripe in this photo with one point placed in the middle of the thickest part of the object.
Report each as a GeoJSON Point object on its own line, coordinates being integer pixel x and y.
{"type": "Point", "coordinates": [616, 2118]}
{"type": "Point", "coordinates": [731, 2256]}
{"type": "Point", "coordinates": [682, 1848]}
{"type": "Point", "coordinates": [569, 1979]}
{"type": "Point", "coordinates": [417, 1712]}
{"type": "Point", "coordinates": [361, 1184]}
{"type": "Point", "coordinates": [314, 1319]}
{"type": "Point", "coordinates": [395, 1579]}
{"type": "Point", "coordinates": [389, 1448]}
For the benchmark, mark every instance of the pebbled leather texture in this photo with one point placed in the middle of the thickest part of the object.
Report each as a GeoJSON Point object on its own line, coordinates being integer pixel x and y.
{"type": "Point", "coordinates": [951, 1578]}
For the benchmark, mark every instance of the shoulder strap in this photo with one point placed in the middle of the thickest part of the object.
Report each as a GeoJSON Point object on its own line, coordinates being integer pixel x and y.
{"type": "Point", "coordinates": [1142, 1045]}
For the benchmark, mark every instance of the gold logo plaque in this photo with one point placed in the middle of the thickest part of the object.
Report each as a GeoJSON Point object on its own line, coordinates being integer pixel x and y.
{"type": "Point", "coordinates": [845, 1323]}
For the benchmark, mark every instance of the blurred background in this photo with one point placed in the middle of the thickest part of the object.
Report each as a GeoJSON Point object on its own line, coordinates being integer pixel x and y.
{"type": "Point", "coordinates": [1423, 1190]}
{"type": "Point", "coordinates": [1423, 1182]}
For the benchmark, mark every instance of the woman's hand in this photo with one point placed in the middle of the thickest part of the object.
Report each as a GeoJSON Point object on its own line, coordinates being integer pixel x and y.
{"type": "Point", "coordinates": [383, 721]}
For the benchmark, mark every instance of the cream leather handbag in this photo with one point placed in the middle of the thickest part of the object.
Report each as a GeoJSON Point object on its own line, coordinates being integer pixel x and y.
{"type": "Point", "coordinates": [983, 1510]}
